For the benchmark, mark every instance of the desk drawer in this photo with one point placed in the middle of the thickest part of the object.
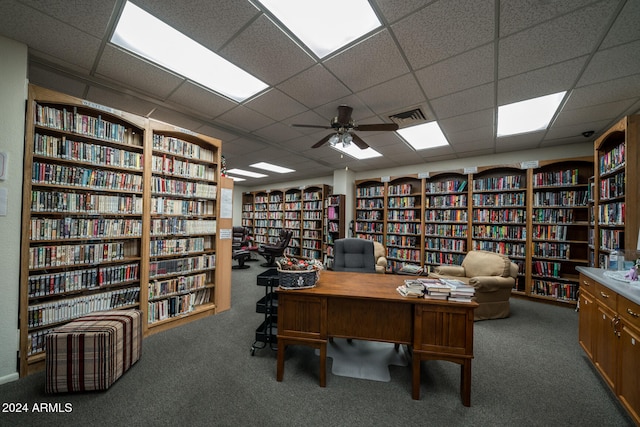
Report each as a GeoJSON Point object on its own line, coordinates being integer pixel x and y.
{"type": "Point", "coordinates": [629, 311]}
{"type": "Point", "coordinates": [606, 296]}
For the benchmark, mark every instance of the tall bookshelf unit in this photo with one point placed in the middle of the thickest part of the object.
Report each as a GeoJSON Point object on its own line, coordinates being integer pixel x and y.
{"type": "Point", "coordinates": [183, 230]}
{"type": "Point", "coordinates": [261, 217]}
{"type": "Point", "coordinates": [403, 222]}
{"type": "Point", "coordinates": [499, 215]}
{"type": "Point", "coordinates": [83, 214]}
{"type": "Point", "coordinates": [446, 219]}
{"type": "Point", "coordinates": [293, 220]}
{"type": "Point", "coordinates": [89, 239]}
{"type": "Point", "coordinates": [247, 211]}
{"type": "Point", "coordinates": [312, 221]}
{"type": "Point", "coordinates": [275, 215]}
{"type": "Point", "coordinates": [370, 210]}
{"type": "Point", "coordinates": [559, 227]}
{"type": "Point", "coordinates": [617, 190]}
{"type": "Point", "coordinates": [334, 225]}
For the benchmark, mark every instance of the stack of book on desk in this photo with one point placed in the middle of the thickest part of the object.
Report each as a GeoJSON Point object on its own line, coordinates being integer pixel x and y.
{"type": "Point", "coordinates": [460, 291]}
{"type": "Point", "coordinates": [411, 288]}
{"type": "Point", "coordinates": [436, 289]}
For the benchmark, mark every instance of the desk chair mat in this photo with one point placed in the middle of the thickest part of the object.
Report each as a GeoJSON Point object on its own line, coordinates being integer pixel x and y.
{"type": "Point", "coordinates": [367, 360]}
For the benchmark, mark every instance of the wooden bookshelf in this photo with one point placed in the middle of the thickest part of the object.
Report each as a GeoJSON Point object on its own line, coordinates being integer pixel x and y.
{"type": "Point", "coordinates": [403, 222]}
{"type": "Point", "coordinates": [101, 208]}
{"type": "Point", "coordinates": [312, 221]}
{"type": "Point", "coordinates": [293, 220]}
{"type": "Point", "coordinates": [334, 225]}
{"type": "Point", "coordinates": [370, 210]}
{"type": "Point", "coordinates": [617, 190]}
{"type": "Point", "coordinates": [247, 210]}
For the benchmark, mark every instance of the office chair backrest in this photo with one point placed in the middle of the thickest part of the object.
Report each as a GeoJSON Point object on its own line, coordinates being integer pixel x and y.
{"type": "Point", "coordinates": [355, 255]}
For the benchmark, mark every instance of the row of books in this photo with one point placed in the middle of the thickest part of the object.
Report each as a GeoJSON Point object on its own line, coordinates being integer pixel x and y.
{"type": "Point", "coordinates": [612, 187]}
{"type": "Point", "coordinates": [169, 206]}
{"type": "Point", "coordinates": [399, 189]}
{"type": "Point", "coordinates": [509, 182]}
{"type": "Point", "coordinates": [293, 206]}
{"type": "Point", "coordinates": [66, 255]}
{"type": "Point", "coordinates": [73, 121]}
{"type": "Point", "coordinates": [311, 244]}
{"type": "Point", "coordinates": [369, 227]}
{"type": "Point", "coordinates": [405, 241]}
{"type": "Point", "coordinates": [47, 173]}
{"type": "Point", "coordinates": [315, 205]}
{"type": "Point", "coordinates": [200, 190]}
{"type": "Point", "coordinates": [312, 195]}
{"type": "Point", "coordinates": [184, 265]}
{"type": "Point", "coordinates": [562, 215]}
{"type": "Point", "coordinates": [446, 215]}
{"type": "Point", "coordinates": [512, 249]}
{"type": "Point", "coordinates": [499, 199]}
{"type": "Point", "coordinates": [404, 254]}
{"type": "Point", "coordinates": [453, 200]}
{"type": "Point", "coordinates": [446, 230]}
{"type": "Point", "coordinates": [500, 215]}
{"type": "Point", "coordinates": [75, 280]}
{"type": "Point", "coordinates": [177, 305]}
{"type": "Point", "coordinates": [36, 341]}
{"type": "Point", "coordinates": [561, 198]}
{"type": "Point", "coordinates": [165, 287]}
{"type": "Point", "coordinates": [611, 213]}
{"type": "Point", "coordinates": [84, 203]}
{"type": "Point", "coordinates": [437, 258]}
{"type": "Point", "coordinates": [312, 215]}
{"type": "Point", "coordinates": [613, 159]}
{"type": "Point", "coordinates": [312, 225]}
{"type": "Point", "coordinates": [552, 250]}
{"type": "Point", "coordinates": [369, 204]}
{"type": "Point", "coordinates": [71, 308]}
{"type": "Point", "coordinates": [102, 155]}
{"type": "Point", "coordinates": [446, 186]}
{"type": "Point", "coordinates": [170, 144]}
{"type": "Point", "coordinates": [434, 243]}
{"type": "Point", "coordinates": [561, 291]}
{"type": "Point", "coordinates": [312, 234]}
{"type": "Point", "coordinates": [401, 202]}
{"type": "Point", "coordinates": [180, 226]}
{"type": "Point", "coordinates": [546, 268]}
{"type": "Point", "coordinates": [550, 232]}
{"type": "Point", "coordinates": [515, 232]}
{"type": "Point", "coordinates": [169, 165]}
{"type": "Point", "coordinates": [85, 228]}
{"type": "Point", "coordinates": [611, 239]}
{"type": "Point", "coordinates": [566, 177]}
{"type": "Point", "coordinates": [403, 228]}
{"type": "Point", "coordinates": [374, 191]}
{"type": "Point", "coordinates": [437, 289]}
{"type": "Point", "coordinates": [162, 247]}
{"type": "Point", "coordinates": [403, 215]}
{"type": "Point", "coordinates": [367, 215]}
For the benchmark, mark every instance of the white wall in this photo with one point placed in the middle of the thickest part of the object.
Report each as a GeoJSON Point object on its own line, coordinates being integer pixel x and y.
{"type": "Point", "coordinates": [13, 93]}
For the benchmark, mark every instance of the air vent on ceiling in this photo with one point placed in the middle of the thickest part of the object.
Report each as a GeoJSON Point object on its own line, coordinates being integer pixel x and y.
{"type": "Point", "coordinates": [408, 118]}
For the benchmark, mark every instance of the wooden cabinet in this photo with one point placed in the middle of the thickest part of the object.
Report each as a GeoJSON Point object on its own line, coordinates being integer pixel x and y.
{"type": "Point", "coordinates": [617, 189]}
{"type": "Point", "coordinates": [609, 333]}
{"type": "Point", "coordinates": [113, 220]}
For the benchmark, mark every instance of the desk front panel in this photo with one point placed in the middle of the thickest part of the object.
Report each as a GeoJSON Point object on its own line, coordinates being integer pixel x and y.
{"type": "Point", "coordinates": [444, 329]}
{"type": "Point", "coordinates": [370, 319]}
{"type": "Point", "coordinates": [302, 316]}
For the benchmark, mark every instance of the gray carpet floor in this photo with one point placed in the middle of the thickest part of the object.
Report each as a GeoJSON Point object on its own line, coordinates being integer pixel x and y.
{"type": "Point", "coordinates": [528, 370]}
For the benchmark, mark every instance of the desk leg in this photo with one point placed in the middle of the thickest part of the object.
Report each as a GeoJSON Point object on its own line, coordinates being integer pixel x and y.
{"type": "Point", "coordinates": [280, 363]}
{"type": "Point", "coordinates": [323, 364]}
{"type": "Point", "coordinates": [415, 382]}
{"type": "Point", "coordinates": [465, 382]}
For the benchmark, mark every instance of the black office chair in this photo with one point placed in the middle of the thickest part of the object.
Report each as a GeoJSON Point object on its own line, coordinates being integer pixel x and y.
{"type": "Point", "coordinates": [241, 240]}
{"type": "Point", "coordinates": [355, 255]}
{"type": "Point", "coordinates": [272, 252]}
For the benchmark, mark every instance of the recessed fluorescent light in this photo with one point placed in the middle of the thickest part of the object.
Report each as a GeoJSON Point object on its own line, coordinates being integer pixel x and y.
{"type": "Point", "coordinates": [145, 35]}
{"type": "Point", "coordinates": [528, 116]}
{"type": "Point", "coordinates": [246, 173]}
{"type": "Point", "coordinates": [325, 26]}
{"type": "Point", "coordinates": [236, 178]}
{"type": "Point", "coordinates": [423, 136]}
{"type": "Point", "coordinates": [271, 168]}
{"type": "Point", "coordinates": [355, 152]}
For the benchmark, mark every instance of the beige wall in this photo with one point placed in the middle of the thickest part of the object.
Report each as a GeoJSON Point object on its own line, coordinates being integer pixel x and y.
{"type": "Point", "coordinates": [13, 94]}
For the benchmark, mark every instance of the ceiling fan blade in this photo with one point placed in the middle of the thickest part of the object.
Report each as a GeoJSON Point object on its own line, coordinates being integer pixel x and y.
{"type": "Point", "coordinates": [344, 114]}
{"type": "Point", "coordinates": [359, 142]}
{"type": "Point", "coordinates": [380, 127]}
{"type": "Point", "coordinates": [311, 126]}
{"type": "Point", "coordinates": [322, 141]}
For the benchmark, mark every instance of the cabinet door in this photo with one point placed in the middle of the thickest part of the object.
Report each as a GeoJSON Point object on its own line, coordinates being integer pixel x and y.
{"type": "Point", "coordinates": [585, 321]}
{"type": "Point", "coordinates": [629, 374]}
{"type": "Point", "coordinates": [606, 344]}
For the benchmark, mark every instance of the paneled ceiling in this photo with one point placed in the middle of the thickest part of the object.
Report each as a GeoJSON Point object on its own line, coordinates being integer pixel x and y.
{"type": "Point", "coordinates": [457, 60]}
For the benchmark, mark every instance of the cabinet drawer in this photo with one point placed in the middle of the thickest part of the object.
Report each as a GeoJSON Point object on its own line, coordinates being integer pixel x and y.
{"type": "Point", "coordinates": [587, 284]}
{"type": "Point", "coordinates": [606, 296]}
{"type": "Point", "coordinates": [629, 311]}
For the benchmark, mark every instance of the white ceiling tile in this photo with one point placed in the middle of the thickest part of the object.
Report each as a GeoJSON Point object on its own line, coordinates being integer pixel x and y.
{"type": "Point", "coordinates": [523, 141]}
{"type": "Point", "coordinates": [276, 105]}
{"type": "Point", "coordinates": [134, 72]}
{"type": "Point", "coordinates": [377, 54]}
{"type": "Point", "coordinates": [470, 121]}
{"type": "Point", "coordinates": [591, 114]}
{"type": "Point", "coordinates": [175, 118]}
{"type": "Point", "coordinates": [625, 28]}
{"type": "Point", "coordinates": [619, 61]}
{"type": "Point", "coordinates": [460, 72]}
{"type": "Point", "coordinates": [605, 92]}
{"type": "Point", "coordinates": [517, 15]}
{"type": "Point", "coordinates": [197, 98]}
{"type": "Point", "coordinates": [482, 136]}
{"type": "Point", "coordinates": [266, 52]}
{"type": "Point", "coordinates": [278, 132]}
{"type": "Point", "coordinates": [244, 118]}
{"type": "Point", "coordinates": [543, 81]}
{"type": "Point", "coordinates": [392, 10]}
{"type": "Point", "coordinates": [44, 77]}
{"type": "Point", "coordinates": [314, 87]}
{"type": "Point", "coordinates": [467, 101]}
{"type": "Point", "coordinates": [575, 130]}
{"type": "Point", "coordinates": [444, 29]}
{"type": "Point", "coordinates": [90, 16]}
{"type": "Point", "coordinates": [122, 102]}
{"type": "Point", "coordinates": [566, 37]}
{"type": "Point", "coordinates": [393, 96]}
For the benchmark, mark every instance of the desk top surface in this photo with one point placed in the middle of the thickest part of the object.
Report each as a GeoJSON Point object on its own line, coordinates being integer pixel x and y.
{"type": "Point", "coordinates": [366, 286]}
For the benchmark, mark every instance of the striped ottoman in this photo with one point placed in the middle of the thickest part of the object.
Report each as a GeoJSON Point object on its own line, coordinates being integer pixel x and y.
{"type": "Point", "coordinates": [92, 352]}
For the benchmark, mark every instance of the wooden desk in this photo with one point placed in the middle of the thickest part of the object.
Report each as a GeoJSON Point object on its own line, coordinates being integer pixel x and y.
{"type": "Point", "coordinates": [368, 307]}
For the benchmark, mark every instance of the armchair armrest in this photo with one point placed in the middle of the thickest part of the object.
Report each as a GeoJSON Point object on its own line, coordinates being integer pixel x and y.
{"type": "Point", "coordinates": [381, 264]}
{"type": "Point", "coordinates": [491, 283]}
{"type": "Point", "coordinates": [450, 270]}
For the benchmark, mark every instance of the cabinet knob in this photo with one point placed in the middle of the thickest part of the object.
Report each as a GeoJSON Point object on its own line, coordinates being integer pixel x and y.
{"type": "Point", "coordinates": [633, 313]}
{"type": "Point", "coordinates": [604, 295]}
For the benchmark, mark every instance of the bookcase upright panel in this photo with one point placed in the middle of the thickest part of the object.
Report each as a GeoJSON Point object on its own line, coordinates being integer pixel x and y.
{"type": "Point", "coordinates": [83, 218]}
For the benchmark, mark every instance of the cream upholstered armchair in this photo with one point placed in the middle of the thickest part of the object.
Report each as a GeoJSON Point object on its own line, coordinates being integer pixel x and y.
{"type": "Point", "coordinates": [381, 257]}
{"type": "Point", "coordinates": [491, 274]}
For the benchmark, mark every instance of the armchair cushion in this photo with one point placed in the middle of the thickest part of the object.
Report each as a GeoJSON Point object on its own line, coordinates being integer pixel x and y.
{"type": "Point", "coordinates": [481, 263]}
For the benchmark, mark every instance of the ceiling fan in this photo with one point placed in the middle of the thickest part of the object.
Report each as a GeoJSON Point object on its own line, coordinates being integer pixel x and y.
{"type": "Point", "coordinates": [344, 126]}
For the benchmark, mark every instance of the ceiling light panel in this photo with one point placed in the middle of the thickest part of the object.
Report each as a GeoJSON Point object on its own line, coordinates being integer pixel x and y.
{"type": "Point", "coordinates": [528, 116]}
{"type": "Point", "coordinates": [355, 152]}
{"type": "Point", "coordinates": [271, 168]}
{"type": "Point", "coordinates": [426, 135]}
{"type": "Point", "coordinates": [145, 35]}
{"type": "Point", "coordinates": [325, 26]}
{"type": "Point", "coordinates": [243, 172]}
